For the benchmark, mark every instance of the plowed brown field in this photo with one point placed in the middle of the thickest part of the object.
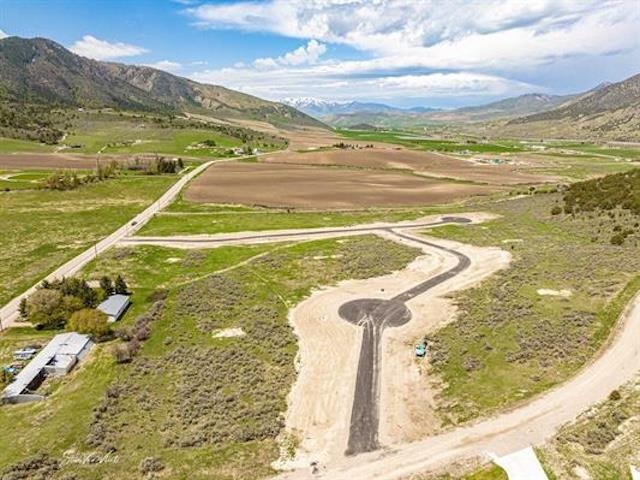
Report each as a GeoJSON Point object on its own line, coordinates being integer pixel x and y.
{"type": "Point", "coordinates": [46, 161]}
{"type": "Point", "coordinates": [426, 163]}
{"type": "Point", "coordinates": [300, 186]}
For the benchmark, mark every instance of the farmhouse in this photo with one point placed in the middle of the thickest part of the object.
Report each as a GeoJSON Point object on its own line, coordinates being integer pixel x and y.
{"type": "Point", "coordinates": [115, 306]}
{"type": "Point", "coordinates": [58, 358]}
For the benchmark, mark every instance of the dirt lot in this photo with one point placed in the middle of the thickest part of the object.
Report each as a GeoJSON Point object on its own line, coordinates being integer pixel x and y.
{"type": "Point", "coordinates": [320, 402]}
{"type": "Point", "coordinates": [46, 161]}
{"type": "Point", "coordinates": [298, 186]}
{"type": "Point", "coordinates": [426, 163]}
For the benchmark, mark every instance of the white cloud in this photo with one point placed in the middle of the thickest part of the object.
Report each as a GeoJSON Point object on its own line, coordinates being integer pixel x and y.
{"type": "Point", "coordinates": [308, 54]}
{"type": "Point", "coordinates": [91, 47]}
{"type": "Point", "coordinates": [426, 48]}
{"type": "Point", "coordinates": [451, 33]}
{"type": "Point", "coordinates": [166, 65]}
{"type": "Point", "coordinates": [3, 35]}
{"type": "Point", "coordinates": [318, 82]}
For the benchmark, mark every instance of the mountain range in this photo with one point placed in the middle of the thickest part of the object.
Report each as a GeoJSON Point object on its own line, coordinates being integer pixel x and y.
{"type": "Point", "coordinates": [40, 71]}
{"type": "Point", "coordinates": [608, 111]}
{"type": "Point", "coordinates": [321, 109]}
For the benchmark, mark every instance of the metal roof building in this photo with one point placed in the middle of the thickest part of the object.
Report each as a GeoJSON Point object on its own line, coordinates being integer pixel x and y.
{"type": "Point", "coordinates": [57, 358]}
{"type": "Point", "coordinates": [115, 306]}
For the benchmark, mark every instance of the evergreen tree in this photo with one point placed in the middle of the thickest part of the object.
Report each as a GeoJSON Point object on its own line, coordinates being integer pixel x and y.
{"type": "Point", "coordinates": [106, 284]}
{"type": "Point", "coordinates": [121, 286]}
{"type": "Point", "coordinates": [24, 310]}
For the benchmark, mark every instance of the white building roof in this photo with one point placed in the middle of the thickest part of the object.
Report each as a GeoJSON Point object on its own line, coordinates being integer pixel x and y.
{"type": "Point", "coordinates": [522, 465]}
{"type": "Point", "coordinates": [114, 306]}
{"type": "Point", "coordinates": [63, 344]}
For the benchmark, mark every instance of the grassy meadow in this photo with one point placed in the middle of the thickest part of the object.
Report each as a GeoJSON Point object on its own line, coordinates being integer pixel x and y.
{"type": "Point", "coordinates": [43, 228]}
{"type": "Point", "coordinates": [190, 404]}
{"type": "Point", "coordinates": [185, 218]}
{"type": "Point", "coordinates": [509, 342]}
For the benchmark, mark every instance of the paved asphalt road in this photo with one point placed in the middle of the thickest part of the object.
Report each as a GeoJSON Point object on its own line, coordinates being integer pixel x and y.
{"type": "Point", "coordinates": [9, 314]}
{"type": "Point", "coordinates": [374, 315]}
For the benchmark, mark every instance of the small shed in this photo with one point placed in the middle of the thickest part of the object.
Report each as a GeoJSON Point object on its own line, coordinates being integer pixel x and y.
{"type": "Point", "coordinates": [115, 306]}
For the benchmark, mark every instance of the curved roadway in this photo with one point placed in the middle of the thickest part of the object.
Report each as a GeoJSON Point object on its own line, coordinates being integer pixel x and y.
{"type": "Point", "coordinates": [374, 315]}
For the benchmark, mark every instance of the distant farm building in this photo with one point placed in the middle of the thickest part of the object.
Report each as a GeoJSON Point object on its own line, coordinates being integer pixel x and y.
{"type": "Point", "coordinates": [60, 355]}
{"type": "Point", "coordinates": [115, 306]}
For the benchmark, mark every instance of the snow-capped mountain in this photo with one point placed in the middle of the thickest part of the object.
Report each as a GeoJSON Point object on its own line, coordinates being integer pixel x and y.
{"type": "Point", "coordinates": [318, 107]}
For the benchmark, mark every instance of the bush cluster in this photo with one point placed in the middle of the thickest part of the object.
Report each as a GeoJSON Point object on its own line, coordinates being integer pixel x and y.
{"type": "Point", "coordinates": [70, 180]}
{"type": "Point", "coordinates": [156, 166]}
{"type": "Point", "coordinates": [605, 193]}
{"type": "Point", "coordinates": [219, 392]}
{"type": "Point", "coordinates": [33, 122]}
{"type": "Point", "coordinates": [139, 332]}
{"type": "Point", "coordinates": [37, 467]}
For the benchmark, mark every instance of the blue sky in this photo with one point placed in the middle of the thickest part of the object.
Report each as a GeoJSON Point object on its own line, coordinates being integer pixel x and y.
{"type": "Point", "coordinates": [442, 53]}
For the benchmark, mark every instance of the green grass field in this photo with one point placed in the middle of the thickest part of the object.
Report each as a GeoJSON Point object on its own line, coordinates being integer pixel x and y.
{"type": "Point", "coordinates": [22, 179]}
{"type": "Point", "coordinates": [9, 145]}
{"type": "Point", "coordinates": [43, 228]}
{"type": "Point", "coordinates": [449, 146]}
{"type": "Point", "coordinates": [109, 132]}
{"type": "Point", "coordinates": [509, 342]}
{"type": "Point", "coordinates": [223, 220]}
{"type": "Point", "coordinates": [202, 407]}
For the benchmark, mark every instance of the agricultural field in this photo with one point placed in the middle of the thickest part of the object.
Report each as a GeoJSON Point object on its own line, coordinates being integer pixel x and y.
{"type": "Point", "coordinates": [301, 186]}
{"type": "Point", "coordinates": [43, 228]}
{"type": "Point", "coordinates": [423, 163]}
{"type": "Point", "coordinates": [536, 324]}
{"type": "Point", "coordinates": [8, 145]}
{"type": "Point", "coordinates": [21, 179]}
{"type": "Point", "coordinates": [568, 161]}
{"type": "Point", "coordinates": [424, 143]}
{"type": "Point", "coordinates": [489, 473]}
{"type": "Point", "coordinates": [197, 400]}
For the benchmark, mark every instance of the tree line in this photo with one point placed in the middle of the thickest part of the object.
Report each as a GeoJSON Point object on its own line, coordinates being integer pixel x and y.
{"type": "Point", "coordinates": [71, 303]}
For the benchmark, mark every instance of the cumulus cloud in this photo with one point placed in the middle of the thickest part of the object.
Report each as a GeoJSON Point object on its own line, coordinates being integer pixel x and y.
{"type": "Point", "coordinates": [419, 48]}
{"type": "Point", "coordinates": [308, 54]}
{"type": "Point", "coordinates": [458, 32]}
{"type": "Point", "coordinates": [166, 65]}
{"type": "Point", "coordinates": [3, 35]}
{"type": "Point", "coordinates": [92, 47]}
{"type": "Point", "coordinates": [318, 82]}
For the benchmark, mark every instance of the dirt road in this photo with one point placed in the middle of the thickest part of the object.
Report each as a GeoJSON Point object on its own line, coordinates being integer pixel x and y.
{"type": "Point", "coordinates": [271, 236]}
{"type": "Point", "coordinates": [9, 313]}
{"type": "Point", "coordinates": [530, 424]}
